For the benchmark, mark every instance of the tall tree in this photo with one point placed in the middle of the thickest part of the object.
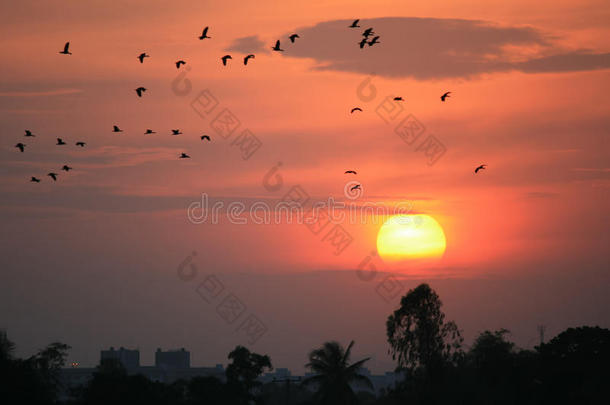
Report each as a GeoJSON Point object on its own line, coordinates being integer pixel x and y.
{"type": "Point", "coordinates": [418, 334]}
{"type": "Point", "coordinates": [334, 375]}
{"type": "Point", "coordinates": [243, 371]}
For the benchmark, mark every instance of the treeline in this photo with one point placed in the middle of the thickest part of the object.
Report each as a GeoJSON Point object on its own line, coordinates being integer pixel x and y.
{"type": "Point", "coordinates": [571, 368]}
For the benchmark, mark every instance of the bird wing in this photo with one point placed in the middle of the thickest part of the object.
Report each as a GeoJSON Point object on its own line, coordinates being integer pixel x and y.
{"type": "Point", "coordinates": [277, 44]}
{"type": "Point", "coordinates": [66, 46]}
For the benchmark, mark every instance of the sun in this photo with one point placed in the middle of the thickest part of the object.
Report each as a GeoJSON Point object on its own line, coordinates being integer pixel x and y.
{"type": "Point", "coordinates": [407, 237]}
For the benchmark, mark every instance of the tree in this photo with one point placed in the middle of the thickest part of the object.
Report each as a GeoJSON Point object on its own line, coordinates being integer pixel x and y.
{"type": "Point", "coordinates": [243, 372]}
{"type": "Point", "coordinates": [418, 334]}
{"type": "Point", "coordinates": [575, 366]}
{"type": "Point", "coordinates": [334, 374]}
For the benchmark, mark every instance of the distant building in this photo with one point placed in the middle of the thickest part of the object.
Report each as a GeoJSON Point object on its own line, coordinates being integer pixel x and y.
{"type": "Point", "coordinates": [172, 359]}
{"type": "Point", "coordinates": [130, 359]}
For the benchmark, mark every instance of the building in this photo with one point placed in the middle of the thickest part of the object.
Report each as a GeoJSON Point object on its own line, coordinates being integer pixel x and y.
{"type": "Point", "coordinates": [130, 359]}
{"type": "Point", "coordinates": [172, 359]}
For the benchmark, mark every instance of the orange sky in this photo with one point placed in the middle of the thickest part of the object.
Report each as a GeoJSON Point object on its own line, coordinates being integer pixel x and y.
{"type": "Point", "coordinates": [528, 82]}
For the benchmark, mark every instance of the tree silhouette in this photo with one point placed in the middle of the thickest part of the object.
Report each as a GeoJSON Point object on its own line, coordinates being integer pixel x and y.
{"type": "Point", "coordinates": [334, 374]}
{"type": "Point", "coordinates": [243, 372]}
{"type": "Point", "coordinates": [418, 334]}
{"type": "Point", "coordinates": [575, 366]}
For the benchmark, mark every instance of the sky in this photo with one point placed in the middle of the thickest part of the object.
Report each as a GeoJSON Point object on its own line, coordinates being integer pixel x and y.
{"type": "Point", "coordinates": [118, 252]}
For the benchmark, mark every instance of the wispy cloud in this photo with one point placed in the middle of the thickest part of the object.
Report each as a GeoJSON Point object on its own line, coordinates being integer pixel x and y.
{"type": "Point", "coordinates": [47, 93]}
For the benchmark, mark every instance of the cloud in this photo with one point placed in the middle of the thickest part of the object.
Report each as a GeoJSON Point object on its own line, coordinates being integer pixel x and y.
{"type": "Point", "coordinates": [433, 48]}
{"type": "Point", "coordinates": [248, 45]}
{"type": "Point", "coordinates": [56, 92]}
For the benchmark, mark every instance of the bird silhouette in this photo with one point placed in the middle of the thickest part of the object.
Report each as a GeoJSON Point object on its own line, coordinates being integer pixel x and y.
{"type": "Point", "coordinates": [142, 56]}
{"type": "Point", "coordinates": [362, 43]}
{"type": "Point", "coordinates": [60, 141]}
{"type": "Point", "coordinates": [184, 156]}
{"type": "Point", "coordinates": [21, 146]}
{"type": "Point", "coordinates": [277, 46]}
{"type": "Point", "coordinates": [35, 180]}
{"type": "Point", "coordinates": [149, 131]}
{"type": "Point", "coordinates": [225, 58]}
{"type": "Point", "coordinates": [53, 176]}
{"type": "Point", "coordinates": [116, 129]}
{"type": "Point", "coordinates": [355, 109]}
{"type": "Point", "coordinates": [205, 137]}
{"type": "Point", "coordinates": [66, 168]}
{"type": "Point", "coordinates": [140, 90]}
{"type": "Point", "coordinates": [176, 132]}
{"type": "Point", "coordinates": [444, 96]}
{"type": "Point", "coordinates": [374, 41]}
{"type": "Point", "coordinates": [356, 187]}
{"type": "Point", "coordinates": [81, 144]}
{"type": "Point", "coordinates": [66, 51]}
{"type": "Point", "coordinates": [248, 57]}
{"type": "Point", "coordinates": [481, 167]}
{"type": "Point", "coordinates": [28, 133]}
{"type": "Point", "coordinates": [204, 34]}
{"type": "Point", "coordinates": [350, 171]}
{"type": "Point", "coordinates": [355, 24]}
{"type": "Point", "coordinates": [179, 63]}
{"type": "Point", "coordinates": [293, 37]}
{"type": "Point", "coordinates": [367, 32]}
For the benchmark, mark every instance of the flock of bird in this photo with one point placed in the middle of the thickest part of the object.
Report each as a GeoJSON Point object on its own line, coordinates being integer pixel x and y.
{"type": "Point", "coordinates": [204, 35]}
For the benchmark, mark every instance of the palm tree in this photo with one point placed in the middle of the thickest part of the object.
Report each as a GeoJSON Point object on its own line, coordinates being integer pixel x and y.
{"type": "Point", "coordinates": [333, 374]}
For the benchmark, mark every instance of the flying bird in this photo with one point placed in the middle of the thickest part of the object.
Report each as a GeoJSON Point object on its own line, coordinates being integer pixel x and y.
{"type": "Point", "coordinates": [184, 156]}
{"type": "Point", "coordinates": [66, 168]}
{"type": "Point", "coordinates": [116, 129]}
{"type": "Point", "coordinates": [355, 109]}
{"type": "Point", "coordinates": [444, 96]}
{"type": "Point", "coordinates": [293, 37]}
{"type": "Point", "coordinates": [374, 41]}
{"type": "Point", "coordinates": [356, 187]}
{"type": "Point", "coordinates": [355, 24]}
{"type": "Point", "coordinates": [35, 180]}
{"type": "Point", "coordinates": [81, 144]}
{"type": "Point", "coordinates": [60, 141]}
{"type": "Point", "coordinates": [149, 131]}
{"type": "Point", "coordinates": [53, 176]}
{"type": "Point", "coordinates": [179, 63]}
{"type": "Point", "coordinates": [248, 57]}
{"type": "Point", "coordinates": [176, 132]}
{"type": "Point", "coordinates": [205, 137]}
{"type": "Point", "coordinates": [142, 56]}
{"type": "Point", "coordinates": [367, 32]}
{"type": "Point", "coordinates": [204, 34]}
{"type": "Point", "coordinates": [277, 46]}
{"type": "Point", "coordinates": [21, 146]}
{"type": "Point", "coordinates": [362, 43]}
{"type": "Point", "coordinates": [399, 99]}
{"type": "Point", "coordinates": [480, 168]}
{"type": "Point", "coordinates": [66, 51]}
{"type": "Point", "coordinates": [140, 90]}
{"type": "Point", "coordinates": [225, 58]}
{"type": "Point", "coordinates": [28, 133]}
{"type": "Point", "coordinates": [350, 171]}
